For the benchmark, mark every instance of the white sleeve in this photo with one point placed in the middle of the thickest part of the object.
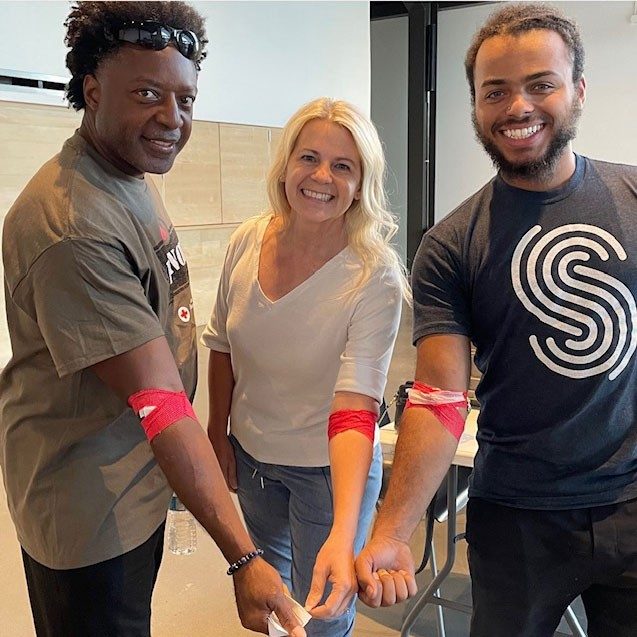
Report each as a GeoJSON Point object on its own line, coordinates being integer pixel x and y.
{"type": "Point", "coordinates": [371, 336]}
{"type": "Point", "coordinates": [214, 335]}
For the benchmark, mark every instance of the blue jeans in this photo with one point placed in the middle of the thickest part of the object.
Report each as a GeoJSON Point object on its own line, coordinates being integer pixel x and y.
{"type": "Point", "coordinates": [288, 512]}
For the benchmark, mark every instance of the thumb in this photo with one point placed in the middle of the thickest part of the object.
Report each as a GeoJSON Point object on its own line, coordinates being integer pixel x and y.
{"type": "Point", "coordinates": [367, 581]}
{"type": "Point", "coordinates": [288, 620]}
{"type": "Point", "coordinates": [317, 587]}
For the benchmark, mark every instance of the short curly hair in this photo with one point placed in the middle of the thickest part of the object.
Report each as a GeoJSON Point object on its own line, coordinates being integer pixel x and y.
{"type": "Point", "coordinates": [514, 19]}
{"type": "Point", "coordinates": [86, 37]}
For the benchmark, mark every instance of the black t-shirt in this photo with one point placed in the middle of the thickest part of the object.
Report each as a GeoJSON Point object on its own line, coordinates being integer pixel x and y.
{"type": "Point", "coordinates": [544, 285]}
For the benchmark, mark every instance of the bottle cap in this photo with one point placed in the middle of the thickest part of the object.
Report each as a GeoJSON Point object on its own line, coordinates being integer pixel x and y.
{"type": "Point", "coordinates": [176, 504]}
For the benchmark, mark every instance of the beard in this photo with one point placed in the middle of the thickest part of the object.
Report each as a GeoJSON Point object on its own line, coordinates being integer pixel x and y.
{"type": "Point", "coordinates": [540, 169]}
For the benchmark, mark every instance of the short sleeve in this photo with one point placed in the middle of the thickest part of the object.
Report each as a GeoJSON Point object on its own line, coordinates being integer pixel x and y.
{"type": "Point", "coordinates": [215, 335]}
{"type": "Point", "coordinates": [441, 301]}
{"type": "Point", "coordinates": [88, 303]}
{"type": "Point", "coordinates": [370, 337]}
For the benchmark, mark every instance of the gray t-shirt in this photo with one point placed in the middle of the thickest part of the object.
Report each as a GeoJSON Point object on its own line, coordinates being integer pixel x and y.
{"type": "Point", "coordinates": [544, 284]}
{"type": "Point", "coordinates": [93, 269]}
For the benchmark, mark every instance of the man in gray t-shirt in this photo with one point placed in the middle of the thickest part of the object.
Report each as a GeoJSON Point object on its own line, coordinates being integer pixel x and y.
{"type": "Point", "coordinates": [538, 271]}
{"type": "Point", "coordinates": [99, 310]}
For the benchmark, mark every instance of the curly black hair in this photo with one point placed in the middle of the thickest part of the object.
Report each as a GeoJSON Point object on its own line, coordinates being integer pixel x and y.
{"type": "Point", "coordinates": [88, 23]}
{"type": "Point", "coordinates": [514, 19]}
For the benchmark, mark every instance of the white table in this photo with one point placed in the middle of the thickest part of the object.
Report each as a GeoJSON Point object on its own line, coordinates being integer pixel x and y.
{"type": "Point", "coordinates": [464, 456]}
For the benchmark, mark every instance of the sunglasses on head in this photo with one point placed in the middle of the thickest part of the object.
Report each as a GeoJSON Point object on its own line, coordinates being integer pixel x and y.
{"type": "Point", "coordinates": [157, 36]}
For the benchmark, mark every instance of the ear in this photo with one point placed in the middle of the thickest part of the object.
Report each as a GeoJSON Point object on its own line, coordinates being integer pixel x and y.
{"type": "Point", "coordinates": [580, 90]}
{"type": "Point", "coordinates": [92, 91]}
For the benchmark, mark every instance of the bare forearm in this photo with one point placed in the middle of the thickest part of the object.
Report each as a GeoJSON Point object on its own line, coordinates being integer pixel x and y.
{"type": "Point", "coordinates": [192, 470]}
{"type": "Point", "coordinates": [220, 387]}
{"type": "Point", "coordinates": [350, 459]}
{"type": "Point", "coordinates": [424, 452]}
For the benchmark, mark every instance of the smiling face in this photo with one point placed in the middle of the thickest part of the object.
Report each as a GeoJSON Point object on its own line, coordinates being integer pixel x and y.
{"type": "Point", "coordinates": [323, 173]}
{"type": "Point", "coordinates": [526, 106]}
{"type": "Point", "coordinates": [140, 107]}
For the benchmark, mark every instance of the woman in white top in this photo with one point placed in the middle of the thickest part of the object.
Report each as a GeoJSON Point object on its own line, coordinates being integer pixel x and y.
{"type": "Point", "coordinates": [301, 334]}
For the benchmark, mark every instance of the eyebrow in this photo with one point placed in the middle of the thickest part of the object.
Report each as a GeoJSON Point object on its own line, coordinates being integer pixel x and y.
{"type": "Point", "coordinates": [154, 83]}
{"type": "Point", "coordinates": [528, 78]}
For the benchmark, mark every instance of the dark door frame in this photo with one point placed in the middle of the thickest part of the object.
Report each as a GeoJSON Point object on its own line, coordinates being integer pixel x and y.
{"type": "Point", "coordinates": [421, 109]}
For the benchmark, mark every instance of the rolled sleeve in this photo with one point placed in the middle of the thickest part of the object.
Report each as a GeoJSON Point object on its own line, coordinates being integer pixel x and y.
{"type": "Point", "coordinates": [371, 336]}
{"type": "Point", "coordinates": [215, 334]}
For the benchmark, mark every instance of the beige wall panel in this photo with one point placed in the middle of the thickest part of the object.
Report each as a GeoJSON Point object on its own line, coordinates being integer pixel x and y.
{"type": "Point", "coordinates": [31, 134]}
{"type": "Point", "coordinates": [205, 250]}
{"type": "Point", "coordinates": [193, 186]}
{"type": "Point", "coordinates": [275, 137]}
{"type": "Point", "coordinates": [244, 162]}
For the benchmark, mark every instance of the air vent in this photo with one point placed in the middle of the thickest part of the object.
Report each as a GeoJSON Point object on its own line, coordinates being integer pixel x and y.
{"type": "Point", "coordinates": [32, 80]}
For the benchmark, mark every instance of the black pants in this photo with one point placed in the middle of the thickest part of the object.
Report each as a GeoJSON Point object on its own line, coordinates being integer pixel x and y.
{"type": "Point", "coordinates": [108, 599]}
{"type": "Point", "coordinates": [528, 566]}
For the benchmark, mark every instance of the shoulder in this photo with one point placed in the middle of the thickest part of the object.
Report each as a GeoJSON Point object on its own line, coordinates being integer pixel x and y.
{"type": "Point", "coordinates": [382, 282]}
{"type": "Point", "coordinates": [250, 230]}
{"type": "Point", "coordinates": [612, 170]}
{"type": "Point", "coordinates": [245, 242]}
{"type": "Point", "coordinates": [455, 224]}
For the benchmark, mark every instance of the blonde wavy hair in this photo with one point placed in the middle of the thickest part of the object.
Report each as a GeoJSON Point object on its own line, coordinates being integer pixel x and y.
{"type": "Point", "coordinates": [369, 224]}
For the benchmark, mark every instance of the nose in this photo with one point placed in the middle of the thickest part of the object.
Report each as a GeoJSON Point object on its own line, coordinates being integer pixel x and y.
{"type": "Point", "coordinates": [168, 114]}
{"type": "Point", "coordinates": [323, 173]}
{"type": "Point", "coordinates": [519, 106]}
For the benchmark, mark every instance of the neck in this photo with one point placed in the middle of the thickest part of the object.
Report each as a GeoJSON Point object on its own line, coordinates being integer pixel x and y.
{"type": "Point", "coordinates": [325, 238]}
{"type": "Point", "coordinates": [558, 175]}
{"type": "Point", "coordinates": [89, 134]}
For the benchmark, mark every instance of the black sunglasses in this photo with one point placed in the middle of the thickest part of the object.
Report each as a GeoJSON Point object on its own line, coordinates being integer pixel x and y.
{"type": "Point", "coordinates": [157, 36]}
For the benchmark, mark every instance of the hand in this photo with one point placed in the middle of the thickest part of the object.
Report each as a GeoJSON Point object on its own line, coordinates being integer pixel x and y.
{"type": "Point", "coordinates": [227, 461]}
{"type": "Point", "coordinates": [385, 572]}
{"type": "Point", "coordinates": [259, 591]}
{"type": "Point", "coordinates": [334, 563]}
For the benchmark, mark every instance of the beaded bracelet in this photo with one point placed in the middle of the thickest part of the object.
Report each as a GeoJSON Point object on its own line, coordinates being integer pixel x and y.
{"type": "Point", "coordinates": [242, 561]}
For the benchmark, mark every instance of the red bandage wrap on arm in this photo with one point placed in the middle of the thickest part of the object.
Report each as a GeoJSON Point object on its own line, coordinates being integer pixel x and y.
{"type": "Point", "coordinates": [160, 408]}
{"type": "Point", "coordinates": [442, 404]}
{"type": "Point", "coordinates": [356, 419]}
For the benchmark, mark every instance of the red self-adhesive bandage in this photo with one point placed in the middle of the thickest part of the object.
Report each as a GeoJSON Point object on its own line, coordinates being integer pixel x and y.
{"type": "Point", "coordinates": [160, 408]}
{"type": "Point", "coordinates": [352, 419]}
{"type": "Point", "coordinates": [442, 404]}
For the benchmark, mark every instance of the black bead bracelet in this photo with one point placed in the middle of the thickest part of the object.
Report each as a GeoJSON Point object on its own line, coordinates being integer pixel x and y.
{"type": "Point", "coordinates": [242, 561]}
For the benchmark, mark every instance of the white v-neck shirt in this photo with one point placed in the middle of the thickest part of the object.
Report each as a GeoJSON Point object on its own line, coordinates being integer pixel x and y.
{"type": "Point", "coordinates": [289, 356]}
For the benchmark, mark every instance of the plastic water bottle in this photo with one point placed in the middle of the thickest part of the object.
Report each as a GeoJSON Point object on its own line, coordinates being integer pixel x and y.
{"type": "Point", "coordinates": [182, 528]}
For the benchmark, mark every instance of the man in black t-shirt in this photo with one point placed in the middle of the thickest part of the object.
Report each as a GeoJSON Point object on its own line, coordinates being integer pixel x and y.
{"type": "Point", "coordinates": [538, 271]}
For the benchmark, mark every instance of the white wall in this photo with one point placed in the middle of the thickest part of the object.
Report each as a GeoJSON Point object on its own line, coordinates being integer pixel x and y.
{"type": "Point", "coordinates": [265, 59]}
{"type": "Point", "coordinates": [608, 128]}
{"type": "Point", "coordinates": [389, 54]}
{"type": "Point", "coordinates": [268, 58]}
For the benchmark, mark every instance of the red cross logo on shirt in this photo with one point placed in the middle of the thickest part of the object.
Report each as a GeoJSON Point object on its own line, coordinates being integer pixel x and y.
{"type": "Point", "coordinates": [184, 314]}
